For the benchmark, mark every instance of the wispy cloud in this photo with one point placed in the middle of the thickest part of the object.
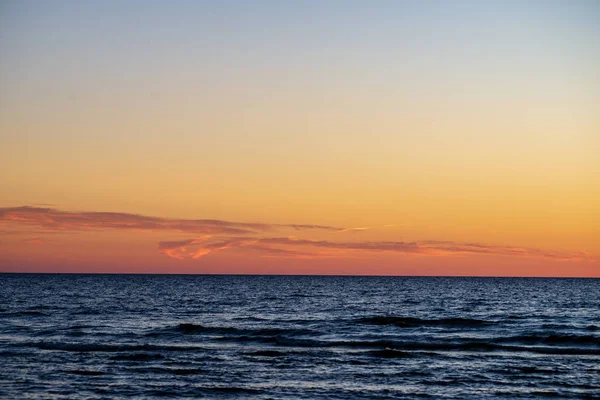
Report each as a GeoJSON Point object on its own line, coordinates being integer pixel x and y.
{"type": "Point", "coordinates": [34, 240]}
{"type": "Point", "coordinates": [366, 228]}
{"type": "Point", "coordinates": [58, 220]}
{"type": "Point", "coordinates": [199, 247]}
{"type": "Point", "coordinates": [211, 235]}
{"type": "Point", "coordinates": [266, 251]}
{"type": "Point", "coordinates": [179, 248]}
{"type": "Point", "coordinates": [288, 246]}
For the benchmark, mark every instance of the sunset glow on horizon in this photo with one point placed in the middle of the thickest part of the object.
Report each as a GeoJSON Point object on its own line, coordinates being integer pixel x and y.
{"type": "Point", "coordinates": [328, 138]}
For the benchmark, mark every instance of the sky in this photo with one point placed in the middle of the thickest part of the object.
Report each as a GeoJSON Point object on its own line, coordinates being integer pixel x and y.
{"type": "Point", "coordinates": [307, 137]}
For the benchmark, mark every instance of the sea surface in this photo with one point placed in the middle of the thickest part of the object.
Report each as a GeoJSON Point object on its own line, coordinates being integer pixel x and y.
{"type": "Point", "coordinates": [297, 337]}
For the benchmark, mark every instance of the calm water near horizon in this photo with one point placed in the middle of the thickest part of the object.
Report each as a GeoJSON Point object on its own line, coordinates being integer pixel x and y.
{"type": "Point", "coordinates": [290, 337]}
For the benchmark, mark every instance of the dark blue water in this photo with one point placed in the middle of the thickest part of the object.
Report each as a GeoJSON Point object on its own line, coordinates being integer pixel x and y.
{"type": "Point", "coordinates": [148, 336]}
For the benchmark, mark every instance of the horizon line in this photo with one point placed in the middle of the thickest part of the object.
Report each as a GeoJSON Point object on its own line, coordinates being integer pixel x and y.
{"type": "Point", "coordinates": [304, 275]}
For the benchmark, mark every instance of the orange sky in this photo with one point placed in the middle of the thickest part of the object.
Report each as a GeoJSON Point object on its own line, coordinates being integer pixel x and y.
{"type": "Point", "coordinates": [406, 139]}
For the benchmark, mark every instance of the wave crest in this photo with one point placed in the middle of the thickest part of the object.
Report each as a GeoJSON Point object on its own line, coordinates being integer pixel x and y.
{"type": "Point", "coordinates": [413, 322]}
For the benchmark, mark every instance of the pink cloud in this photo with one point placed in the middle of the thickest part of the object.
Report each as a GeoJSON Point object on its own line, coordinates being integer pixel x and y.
{"type": "Point", "coordinates": [57, 220]}
{"type": "Point", "coordinates": [289, 247]}
{"type": "Point", "coordinates": [219, 235]}
{"type": "Point", "coordinates": [34, 240]}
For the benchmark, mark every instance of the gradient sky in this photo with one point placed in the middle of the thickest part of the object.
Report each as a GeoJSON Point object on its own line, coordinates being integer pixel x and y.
{"type": "Point", "coordinates": [307, 137]}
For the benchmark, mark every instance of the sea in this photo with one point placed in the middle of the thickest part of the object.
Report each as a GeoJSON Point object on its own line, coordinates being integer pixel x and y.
{"type": "Point", "coordinates": [71, 336]}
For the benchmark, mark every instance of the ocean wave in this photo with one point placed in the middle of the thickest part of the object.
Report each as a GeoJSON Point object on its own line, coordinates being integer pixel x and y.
{"type": "Point", "coordinates": [592, 328]}
{"type": "Point", "coordinates": [426, 347]}
{"type": "Point", "coordinates": [171, 371]}
{"type": "Point", "coordinates": [230, 389]}
{"type": "Point", "coordinates": [413, 322]}
{"type": "Point", "coordinates": [533, 343]}
{"type": "Point", "coordinates": [85, 372]}
{"type": "Point", "coordinates": [553, 339]}
{"type": "Point", "coordinates": [210, 391]}
{"type": "Point", "coordinates": [391, 353]}
{"type": "Point", "coordinates": [529, 370]}
{"type": "Point", "coordinates": [266, 353]}
{"type": "Point", "coordinates": [25, 314]}
{"type": "Point", "coordinates": [482, 346]}
{"type": "Point", "coordinates": [138, 357]}
{"type": "Point", "coordinates": [191, 329]}
{"type": "Point", "coordinates": [296, 342]}
{"type": "Point", "coordinates": [13, 353]}
{"type": "Point", "coordinates": [105, 348]}
{"type": "Point", "coordinates": [88, 311]}
{"type": "Point", "coordinates": [247, 339]}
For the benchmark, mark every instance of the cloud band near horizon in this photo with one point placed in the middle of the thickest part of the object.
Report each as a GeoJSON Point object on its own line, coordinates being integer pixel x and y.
{"type": "Point", "coordinates": [288, 247]}
{"type": "Point", "coordinates": [218, 235]}
{"type": "Point", "coordinates": [53, 219]}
